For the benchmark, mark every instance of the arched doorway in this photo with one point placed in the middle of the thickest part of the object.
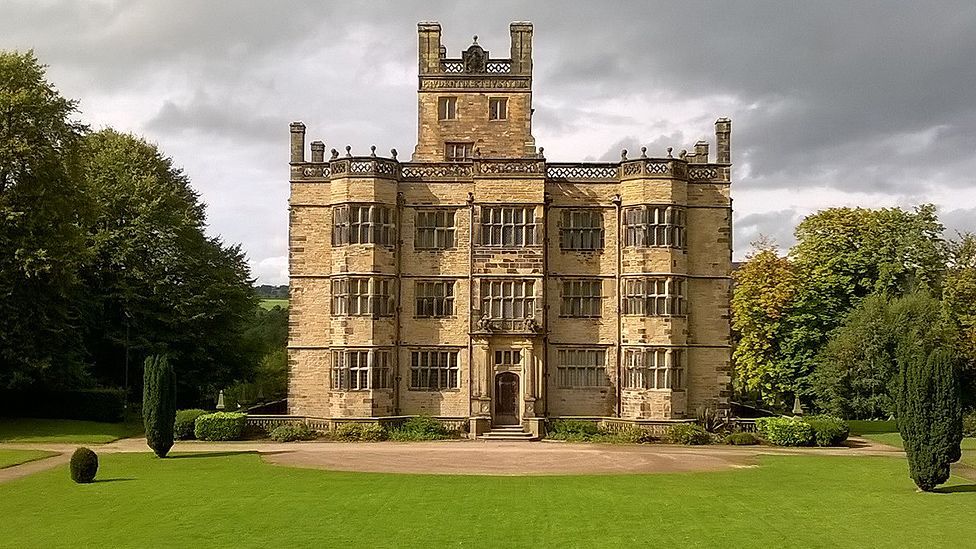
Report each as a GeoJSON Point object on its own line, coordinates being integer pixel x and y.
{"type": "Point", "coordinates": [506, 399]}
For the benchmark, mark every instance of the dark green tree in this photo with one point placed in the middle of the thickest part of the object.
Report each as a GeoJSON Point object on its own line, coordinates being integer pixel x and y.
{"type": "Point", "coordinates": [43, 211]}
{"type": "Point", "coordinates": [159, 403]}
{"type": "Point", "coordinates": [155, 270]}
{"type": "Point", "coordinates": [929, 408]}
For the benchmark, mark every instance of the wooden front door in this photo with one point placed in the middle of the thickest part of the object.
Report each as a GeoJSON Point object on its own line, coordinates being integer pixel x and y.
{"type": "Point", "coordinates": [506, 399]}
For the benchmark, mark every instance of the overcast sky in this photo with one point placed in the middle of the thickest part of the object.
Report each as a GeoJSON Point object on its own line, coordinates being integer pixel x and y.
{"type": "Point", "coordinates": [833, 104]}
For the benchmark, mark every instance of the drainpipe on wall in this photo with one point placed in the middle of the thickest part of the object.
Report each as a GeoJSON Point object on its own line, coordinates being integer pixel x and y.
{"type": "Point", "coordinates": [544, 392]}
{"type": "Point", "coordinates": [620, 259]}
{"type": "Point", "coordinates": [471, 303]}
{"type": "Point", "coordinates": [400, 201]}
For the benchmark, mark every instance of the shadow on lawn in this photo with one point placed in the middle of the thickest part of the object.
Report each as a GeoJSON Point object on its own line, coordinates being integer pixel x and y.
{"type": "Point", "coordinates": [100, 480]}
{"type": "Point", "coordinates": [956, 489]}
{"type": "Point", "coordinates": [188, 455]}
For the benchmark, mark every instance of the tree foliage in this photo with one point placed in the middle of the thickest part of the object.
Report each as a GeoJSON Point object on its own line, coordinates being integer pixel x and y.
{"type": "Point", "coordinates": [42, 214]}
{"type": "Point", "coordinates": [959, 297]}
{"type": "Point", "coordinates": [159, 404]}
{"type": "Point", "coordinates": [929, 407]}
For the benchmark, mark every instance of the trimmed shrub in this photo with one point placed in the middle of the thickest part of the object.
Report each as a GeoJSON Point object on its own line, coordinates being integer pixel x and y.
{"type": "Point", "coordinates": [785, 431]}
{"type": "Point", "coordinates": [359, 432]}
{"type": "Point", "coordinates": [573, 430]}
{"type": "Point", "coordinates": [420, 428]}
{"type": "Point", "coordinates": [687, 433]}
{"type": "Point", "coordinates": [929, 412]}
{"type": "Point", "coordinates": [185, 420]}
{"type": "Point", "coordinates": [291, 432]}
{"type": "Point", "coordinates": [742, 439]}
{"type": "Point", "coordinates": [828, 430]}
{"type": "Point", "coordinates": [159, 404]}
{"type": "Point", "coordinates": [84, 465]}
{"type": "Point", "coordinates": [969, 424]}
{"type": "Point", "coordinates": [220, 426]}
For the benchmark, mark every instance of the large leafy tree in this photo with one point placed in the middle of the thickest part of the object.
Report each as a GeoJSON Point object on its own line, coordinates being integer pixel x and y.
{"type": "Point", "coordinates": [156, 275]}
{"type": "Point", "coordinates": [765, 287]}
{"type": "Point", "coordinates": [42, 217]}
{"type": "Point", "coordinates": [959, 297]}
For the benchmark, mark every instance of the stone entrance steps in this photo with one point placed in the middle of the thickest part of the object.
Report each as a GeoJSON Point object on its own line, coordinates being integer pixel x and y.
{"type": "Point", "coordinates": [508, 432]}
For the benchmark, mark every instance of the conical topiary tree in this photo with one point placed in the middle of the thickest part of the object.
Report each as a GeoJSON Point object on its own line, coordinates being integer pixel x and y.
{"type": "Point", "coordinates": [929, 412]}
{"type": "Point", "coordinates": [159, 404]}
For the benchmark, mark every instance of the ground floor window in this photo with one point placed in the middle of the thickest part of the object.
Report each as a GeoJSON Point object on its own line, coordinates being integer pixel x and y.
{"type": "Point", "coordinates": [361, 369]}
{"type": "Point", "coordinates": [653, 368]}
{"type": "Point", "coordinates": [434, 370]}
{"type": "Point", "coordinates": [582, 368]}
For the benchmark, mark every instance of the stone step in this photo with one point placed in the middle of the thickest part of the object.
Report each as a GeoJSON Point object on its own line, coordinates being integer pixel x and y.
{"type": "Point", "coordinates": [507, 433]}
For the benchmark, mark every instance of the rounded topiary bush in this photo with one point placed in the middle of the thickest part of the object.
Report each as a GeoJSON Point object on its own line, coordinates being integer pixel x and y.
{"type": "Point", "coordinates": [291, 432]}
{"type": "Point", "coordinates": [785, 431]}
{"type": "Point", "coordinates": [828, 430]}
{"type": "Point", "coordinates": [687, 433]}
{"type": "Point", "coordinates": [185, 423]}
{"type": "Point", "coordinates": [220, 426]}
{"type": "Point", "coordinates": [84, 465]}
{"type": "Point", "coordinates": [742, 439]}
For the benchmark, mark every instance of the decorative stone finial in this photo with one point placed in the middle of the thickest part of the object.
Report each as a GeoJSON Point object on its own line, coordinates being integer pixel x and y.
{"type": "Point", "coordinates": [683, 153]}
{"type": "Point", "coordinates": [477, 152]}
{"type": "Point", "coordinates": [335, 154]}
{"type": "Point", "coordinates": [394, 153]}
{"type": "Point", "coordinates": [372, 150]}
{"type": "Point", "coordinates": [643, 152]}
{"type": "Point", "coordinates": [542, 151]}
{"type": "Point", "coordinates": [623, 154]}
{"type": "Point", "coordinates": [348, 150]}
{"type": "Point", "coordinates": [669, 152]}
{"type": "Point", "coordinates": [475, 39]}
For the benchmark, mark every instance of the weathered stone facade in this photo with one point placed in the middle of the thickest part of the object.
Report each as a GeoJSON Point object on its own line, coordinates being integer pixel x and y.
{"type": "Point", "coordinates": [480, 281]}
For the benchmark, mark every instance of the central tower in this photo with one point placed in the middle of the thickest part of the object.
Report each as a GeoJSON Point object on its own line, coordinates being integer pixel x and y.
{"type": "Point", "coordinates": [474, 105]}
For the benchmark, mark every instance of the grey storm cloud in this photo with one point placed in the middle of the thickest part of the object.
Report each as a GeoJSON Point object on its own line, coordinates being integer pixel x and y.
{"type": "Point", "coordinates": [865, 103]}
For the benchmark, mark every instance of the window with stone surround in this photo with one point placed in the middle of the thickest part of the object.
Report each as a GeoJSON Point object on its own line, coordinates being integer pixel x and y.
{"type": "Point", "coordinates": [508, 358]}
{"type": "Point", "coordinates": [508, 300]}
{"type": "Point", "coordinates": [508, 226]}
{"type": "Point", "coordinates": [653, 368]}
{"type": "Point", "coordinates": [654, 226]}
{"type": "Point", "coordinates": [582, 298]}
{"type": "Point", "coordinates": [361, 369]}
{"type": "Point", "coordinates": [458, 152]}
{"type": "Point", "coordinates": [434, 370]}
{"type": "Point", "coordinates": [363, 296]}
{"type": "Point", "coordinates": [363, 224]}
{"type": "Point", "coordinates": [582, 368]}
{"type": "Point", "coordinates": [447, 108]}
{"type": "Point", "coordinates": [435, 229]}
{"type": "Point", "coordinates": [654, 296]}
{"type": "Point", "coordinates": [497, 108]}
{"type": "Point", "coordinates": [435, 298]}
{"type": "Point", "coordinates": [581, 230]}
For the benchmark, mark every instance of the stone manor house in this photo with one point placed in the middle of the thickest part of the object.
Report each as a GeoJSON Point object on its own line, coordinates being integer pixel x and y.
{"type": "Point", "coordinates": [480, 283]}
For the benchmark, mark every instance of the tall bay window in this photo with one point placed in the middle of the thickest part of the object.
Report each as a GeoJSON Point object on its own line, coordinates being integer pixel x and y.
{"type": "Point", "coordinates": [508, 226]}
{"type": "Point", "coordinates": [363, 296]}
{"type": "Point", "coordinates": [581, 230]}
{"type": "Point", "coordinates": [361, 369]}
{"type": "Point", "coordinates": [653, 368]}
{"type": "Point", "coordinates": [363, 224]}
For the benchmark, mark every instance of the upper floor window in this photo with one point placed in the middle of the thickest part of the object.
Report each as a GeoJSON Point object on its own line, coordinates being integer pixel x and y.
{"type": "Point", "coordinates": [458, 152]}
{"type": "Point", "coordinates": [433, 370]}
{"type": "Point", "coordinates": [582, 368]}
{"type": "Point", "coordinates": [650, 226]}
{"type": "Point", "coordinates": [447, 108]}
{"type": "Point", "coordinates": [508, 226]}
{"type": "Point", "coordinates": [497, 108]}
{"type": "Point", "coordinates": [581, 230]}
{"type": "Point", "coordinates": [362, 224]}
{"type": "Point", "coordinates": [654, 296]}
{"type": "Point", "coordinates": [508, 299]}
{"type": "Point", "coordinates": [435, 298]}
{"type": "Point", "coordinates": [363, 296]}
{"type": "Point", "coordinates": [361, 369]}
{"type": "Point", "coordinates": [435, 229]}
{"type": "Point", "coordinates": [581, 298]}
{"type": "Point", "coordinates": [653, 368]}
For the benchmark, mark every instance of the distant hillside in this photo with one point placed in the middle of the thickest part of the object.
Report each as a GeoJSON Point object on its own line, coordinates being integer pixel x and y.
{"type": "Point", "coordinates": [266, 291]}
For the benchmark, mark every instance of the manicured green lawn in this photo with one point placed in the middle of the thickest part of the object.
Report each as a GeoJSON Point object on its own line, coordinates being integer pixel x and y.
{"type": "Point", "coordinates": [65, 430]}
{"type": "Point", "coordinates": [9, 458]}
{"type": "Point", "coordinates": [866, 427]}
{"type": "Point", "coordinates": [238, 501]}
{"type": "Point", "coordinates": [272, 303]}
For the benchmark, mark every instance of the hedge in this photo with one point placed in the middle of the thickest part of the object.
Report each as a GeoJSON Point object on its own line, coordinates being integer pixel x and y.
{"type": "Point", "coordinates": [687, 433]}
{"type": "Point", "coordinates": [185, 422]}
{"type": "Point", "coordinates": [106, 405]}
{"type": "Point", "coordinates": [828, 430]}
{"type": "Point", "coordinates": [291, 432]}
{"type": "Point", "coordinates": [785, 431]}
{"type": "Point", "coordinates": [220, 426]}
